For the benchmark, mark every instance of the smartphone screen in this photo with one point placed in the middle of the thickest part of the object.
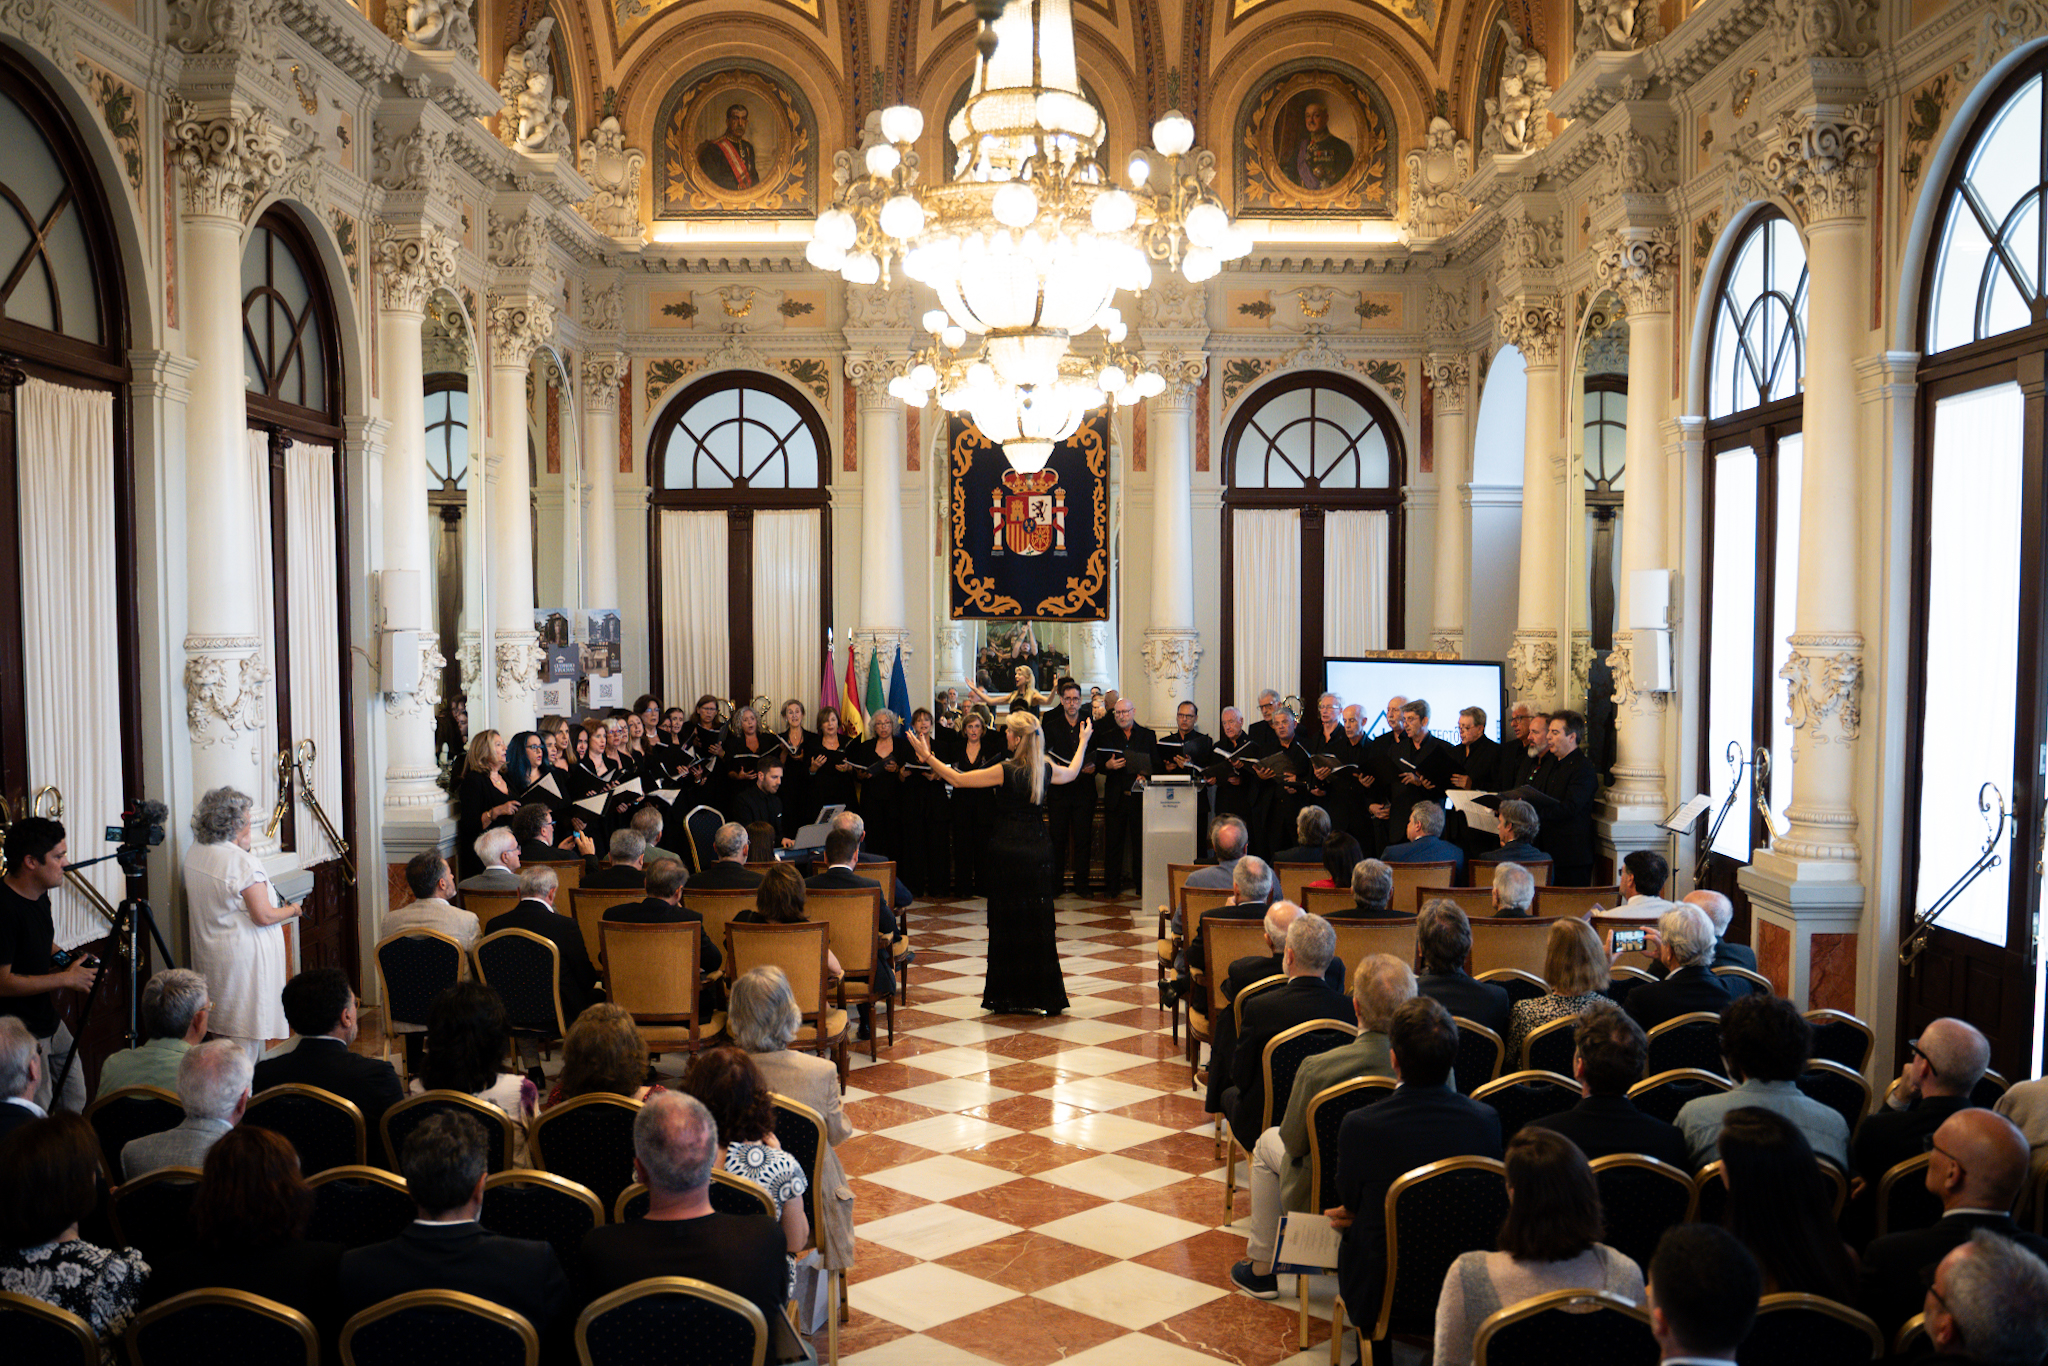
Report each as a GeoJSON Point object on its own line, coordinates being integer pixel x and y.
{"type": "Point", "coordinates": [1629, 941]}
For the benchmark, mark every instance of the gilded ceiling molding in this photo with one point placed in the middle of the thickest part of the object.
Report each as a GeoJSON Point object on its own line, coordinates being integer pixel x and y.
{"type": "Point", "coordinates": [709, 38]}
{"type": "Point", "coordinates": [640, 17]}
{"type": "Point", "coordinates": [1422, 20]}
{"type": "Point", "coordinates": [1407, 86]}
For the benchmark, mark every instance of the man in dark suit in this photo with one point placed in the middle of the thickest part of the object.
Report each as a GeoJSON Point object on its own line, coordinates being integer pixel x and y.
{"type": "Point", "coordinates": [1476, 757]}
{"type": "Point", "coordinates": [445, 1248]}
{"type": "Point", "coordinates": [1420, 770]}
{"type": "Point", "coordinates": [1311, 828]}
{"type": "Point", "coordinates": [1261, 731]}
{"type": "Point", "coordinates": [1187, 750]}
{"type": "Point", "coordinates": [1685, 943]}
{"type": "Point", "coordinates": [1277, 920]}
{"type": "Point", "coordinates": [664, 906]}
{"type": "Point", "coordinates": [1251, 891]}
{"type": "Point", "coordinates": [1612, 1052]}
{"type": "Point", "coordinates": [1563, 795]}
{"type": "Point", "coordinates": [675, 1146]}
{"type": "Point", "coordinates": [1444, 937]}
{"type": "Point", "coordinates": [1426, 843]}
{"type": "Point", "coordinates": [728, 871]}
{"type": "Point", "coordinates": [1701, 1294]}
{"type": "Point", "coordinates": [1123, 806]}
{"type": "Point", "coordinates": [1942, 1067]}
{"type": "Point", "coordinates": [1285, 796]}
{"type": "Point", "coordinates": [1330, 747]}
{"type": "Point", "coordinates": [21, 1070]}
{"type": "Point", "coordinates": [851, 822]}
{"type": "Point", "coordinates": [626, 863]}
{"type": "Point", "coordinates": [1306, 995]}
{"type": "Point", "coordinates": [321, 1009]}
{"type": "Point", "coordinates": [1721, 911]}
{"type": "Point", "coordinates": [842, 847]}
{"type": "Point", "coordinates": [535, 913]}
{"type": "Point", "coordinates": [1517, 829]}
{"type": "Point", "coordinates": [1423, 1121]}
{"type": "Point", "coordinates": [533, 825]}
{"type": "Point", "coordinates": [1070, 807]}
{"type": "Point", "coordinates": [1976, 1168]}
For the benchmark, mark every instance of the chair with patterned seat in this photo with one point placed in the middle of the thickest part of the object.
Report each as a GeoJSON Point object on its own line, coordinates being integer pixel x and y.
{"type": "Point", "coordinates": [1520, 1097]}
{"type": "Point", "coordinates": [198, 1327]}
{"type": "Point", "coordinates": [153, 1213]}
{"type": "Point", "coordinates": [358, 1206]}
{"type": "Point", "coordinates": [1519, 983]}
{"type": "Point", "coordinates": [1800, 1330]}
{"type": "Point", "coordinates": [1662, 1096]}
{"type": "Point", "coordinates": [543, 1207]}
{"type": "Point", "coordinates": [438, 1325]}
{"type": "Point", "coordinates": [1435, 1214]}
{"type": "Point", "coordinates": [1480, 1057]}
{"type": "Point", "coordinates": [1551, 1046]}
{"type": "Point", "coordinates": [699, 825]}
{"type": "Point", "coordinates": [588, 1140]}
{"type": "Point", "coordinates": [1710, 1191]}
{"type": "Point", "coordinates": [401, 1119]}
{"type": "Point", "coordinates": [1284, 1054]}
{"type": "Point", "coordinates": [413, 968]}
{"type": "Point", "coordinates": [1640, 1197]}
{"type": "Point", "coordinates": [326, 1129]}
{"type": "Point", "coordinates": [801, 1132]}
{"type": "Point", "coordinates": [1690, 1040]}
{"type": "Point", "coordinates": [1845, 1092]}
{"type": "Point", "coordinates": [1903, 1200]}
{"type": "Point", "coordinates": [121, 1116]}
{"type": "Point", "coordinates": [44, 1334]}
{"type": "Point", "coordinates": [1840, 1037]}
{"type": "Point", "coordinates": [645, 1323]}
{"type": "Point", "coordinates": [1326, 1111]}
{"type": "Point", "coordinates": [525, 969]}
{"type": "Point", "coordinates": [1566, 1328]}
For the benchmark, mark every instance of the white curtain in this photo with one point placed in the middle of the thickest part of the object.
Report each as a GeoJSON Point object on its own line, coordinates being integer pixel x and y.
{"type": "Point", "coordinates": [312, 582]}
{"type": "Point", "coordinates": [266, 615]}
{"type": "Point", "coordinates": [1354, 582]}
{"type": "Point", "coordinates": [71, 680]}
{"type": "Point", "coordinates": [696, 642]}
{"type": "Point", "coordinates": [1266, 613]}
{"type": "Point", "coordinates": [787, 629]}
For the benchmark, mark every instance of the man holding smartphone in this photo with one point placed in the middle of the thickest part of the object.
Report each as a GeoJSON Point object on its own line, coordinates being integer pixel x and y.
{"type": "Point", "coordinates": [31, 964]}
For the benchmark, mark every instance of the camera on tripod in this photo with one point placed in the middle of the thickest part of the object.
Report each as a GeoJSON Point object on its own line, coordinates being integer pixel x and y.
{"type": "Point", "coordinates": [141, 830]}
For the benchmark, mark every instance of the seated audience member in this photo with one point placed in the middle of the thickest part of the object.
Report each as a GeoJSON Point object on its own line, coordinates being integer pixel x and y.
{"type": "Point", "coordinates": [1721, 911]}
{"type": "Point", "coordinates": [2026, 1104]}
{"type": "Point", "coordinates": [1766, 1043]}
{"type": "Point", "coordinates": [1550, 1241]}
{"type": "Point", "coordinates": [762, 841]}
{"type": "Point", "coordinates": [1252, 889]}
{"type": "Point", "coordinates": [647, 821]}
{"type": "Point", "coordinates": [665, 880]}
{"type": "Point", "coordinates": [1372, 889]}
{"type": "Point", "coordinates": [1279, 918]}
{"type": "Point", "coordinates": [732, 1089]}
{"type": "Point", "coordinates": [539, 889]}
{"type": "Point", "coordinates": [1279, 1173]}
{"type": "Point", "coordinates": [781, 902]}
{"type": "Point", "coordinates": [1341, 854]}
{"type": "Point", "coordinates": [1230, 840]}
{"type": "Point", "coordinates": [603, 1055]}
{"type": "Point", "coordinates": [1976, 1167]}
{"type": "Point", "coordinates": [1518, 828]}
{"type": "Point", "coordinates": [533, 825]}
{"type": "Point", "coordinates": [1426, 843]}
{"type": "Point", "coordinates": [21, 1071]}
{"type": "Point", "coordinates": [1702, 1294]}
{"type": "Point", "coordinates": [675, 1147]}
{"type": "Point", "coordinates": [1443, 941]}
{"type": "Point", "coordinates": [1642, 876]}
{"type": "Point", "coordinates": [1575, 966]}
{"type": "Point", "coordinates": [1311, 832]}
{"type": "Point", "coordinates": [842, 854]}
{"type": "Point", "coordinates": [1514, 891]}
{"type": "Point", "coordinates": [175, 1009]}
{"type": "Point", "coordinates": [1423, 1121]}
{"type": "Point", "coordinates": [627, 868]}
{"type": "Point", "coordinates": [468, 1035]}
{"type": "Point", "coordinates": [1782, 1206]}
{"type": "Point", "coordinates": [213, 1086]}
{"type": "Point", "coordinates": [1988, 1304]}
{"type": "Point", "coordinates": [445, 1248]}
{"type": "Point", "coordinates": [1307, 994]}
{"type": "Point", "coordinates": [1685, 945]}
{"type": "Point", "coordinates": [499, 850]}
{"type": "Point", "coordinates": [728, 869]}
{"type": "Point", "coordinates": [1942, 1067]}
{"type": "Point", "coordinates": [432, 883]}
{"type": "Point", "coordinates": [249, 1220]}
{"type": "Point", "coordinates": [1609, 1056]}
{"type": "Point", "coordinates": [851, 822]}
{"type": "Point", "coordinates": [48, 1172]}
{"type": "Point", "coordinates": [320, 1006]}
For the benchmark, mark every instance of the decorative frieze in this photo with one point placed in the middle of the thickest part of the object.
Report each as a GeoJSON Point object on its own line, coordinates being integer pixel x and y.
{"type": "Point", "coordinates": [521, 659]}
{"type": "Point", "coordinates": [416, 161]}
{"type": "Point", "coordinates": [1824, 683]}
{"type": "Point", "coordinates": [1532, 666]}
{"type": "Point", "coordinates": [518, 241]}
{"type": "Point", "coordinates": [1172, 657]}
{"type": "Point", "coordinates": [1450, 381]}
{"type": "Point", "coordinates": [234, 28]}
{"type": "Point", "coordinates": [1531, 241]}
{"type": "Point", "coordinates": [411, 266]}
{"type": "Point", "coordinates": [1448, 644]}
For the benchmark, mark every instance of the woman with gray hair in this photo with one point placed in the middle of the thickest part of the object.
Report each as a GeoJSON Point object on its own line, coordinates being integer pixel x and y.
{"type": "Point", "coordinates": [762, 1016]}
{"type": "Point", "coordinates": [881, 788]}
{"type": "Point", "coordinates": [237, 923]}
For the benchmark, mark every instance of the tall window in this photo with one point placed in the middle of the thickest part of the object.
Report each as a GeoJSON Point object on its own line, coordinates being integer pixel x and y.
{"type": "Point", "coordinates": [1312, 532]}
{"type": "Point", "coordinates": [1755, 366]}
{"type": "Point", "coordinates": [742, 544]}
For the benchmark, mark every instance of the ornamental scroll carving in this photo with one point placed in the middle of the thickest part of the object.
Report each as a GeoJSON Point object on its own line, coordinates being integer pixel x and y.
{"type": "Point", "coordinates": [603, 373]}
{"type": "Point", "coordinates": [415, 162]}
{"type": "Point", "coordinates": [517, 328]}
{"type": "Point", "coordinates": [1172, 656]}
{"type": "Point", "coordinates": [226, 161]}
{"type": "Point", "coordinates": [426, 697]}
{"type": "Point", "coordinates": [1450, 381]}
{"type": "Point", "coordinates": [223, 693]}
{"type": "Point", "coordinates": [1805, 29]}
{"type": "Point", "coordinates": [238, 28]}
{"type": "Point", "coordinates": [1448, 644]}
{"type": "Point", "coordinates": [410, 268]}
{"type": "Point", "coordinates": [1824, 679]}
{"type": "Point", "coordinates": [1628, 697]}
{"type": "Point", "coordinates": [469, 656]}
{"type": "Point", "coordinates": [1534, 326]}
{"type": "Point", "coordinates": [870, 373]}
{"type": "Point", "coordinates": [1444, 313]}
{"type": "Point", "coordinates": [1820, 163]}
{"type": "Point", "coordinates": [613, 169]}
{"type": "Point", "coordinates": [521, 658]}
{"type": "Point", "coordinates": [1531, 241]}
{"type": "Point", "coordinates": [1532, 666]}
{"type": "Point", "coordinates": [1641, 266]}
{"type": "Point", "coordinates": [1435, 172]}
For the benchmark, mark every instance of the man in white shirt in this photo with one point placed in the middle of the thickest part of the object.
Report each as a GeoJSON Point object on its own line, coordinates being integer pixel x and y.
{"type": "Point", "coordinates": [1702, 1294]}
{"type": "Point", "coordinates": [1642, 877]}
{"type": "Point", "coordinates": [499, 849]}
{"type": "Point", "coordinates": [428, 877]}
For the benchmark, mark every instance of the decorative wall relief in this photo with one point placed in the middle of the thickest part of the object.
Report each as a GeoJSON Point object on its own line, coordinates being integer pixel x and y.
{"type": "Point", "coordinates": [533, 119]}
{"type": "Point", "coordinates": [1435, 171]}
{"type": "Point", "coordinates": [736, 140]}
{"type": "Point", "coordinates": [1518, 116]}
{"type": "Point", "coordinates": [1316, 142]}
{"type": "Point", "coordinates": [613, 170]}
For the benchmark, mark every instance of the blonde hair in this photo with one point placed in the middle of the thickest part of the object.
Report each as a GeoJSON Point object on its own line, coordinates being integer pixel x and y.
{"type": "Point", "coordinates": [479, 756]}
{"type": "Point", "coordinates": [1028, 750]}
{"type": "Point", "coordinates": [1574, 963]}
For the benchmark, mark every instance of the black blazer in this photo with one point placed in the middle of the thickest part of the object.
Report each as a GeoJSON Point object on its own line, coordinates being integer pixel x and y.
{"type": "Point", "coordinates": [13, 1116]}
{"type": "Point", "coordinates": [1246, 971]}
{"type": "Point", "coordinates": [1605, 1125]}
{"type": "Point", "coordinates": [1296, 1001]}
{"type": "Point", "coordinates": [1888, 1137]}
{"type": "Point", "coordinates": [1727, 955]}
{"type": "Point", "coordinates": [1684, 991]}
{"type": "Point", "coordinates": [1891, 1290]}
{"type": "Point", "coordinates": [1109, 739]}
{"type": "Point", "coordinates": [1300, 853]}
{"type": "Point", "coordinates": [328, 1064]}
{"type": "Point", "coordinates": [655, 911]}
{"type": "Point", "coordinates": [1463, 994]}
{"type": "Point", "coordinates": [1521, 851]}
{"type": "Point", "coordinates": [1563, 796]}
{"type": "Point", "coordinates": [1413, 1127]}
{"type": "Point", "coordinates": [723, 876]}
{"type": "Point", "coordinates": [518, 1273]}
{"type": "Point", "coordinates": [743, 1253]}
{"type": "Point", "coordinates": [578, 975]}
{"type": "Point", "coordinates": [620, 879]}
{"type": "Point", "coordinates": [1478, 761]}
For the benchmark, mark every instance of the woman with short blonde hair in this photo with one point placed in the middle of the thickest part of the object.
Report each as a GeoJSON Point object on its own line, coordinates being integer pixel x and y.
{"type": "Point", "coordinates": [1575, 966]}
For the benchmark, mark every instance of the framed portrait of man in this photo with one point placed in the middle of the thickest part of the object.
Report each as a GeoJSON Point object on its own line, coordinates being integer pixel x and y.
{"type": "Point", "coordinates": [736, 140]}
{"type": "Point", "coordinates": [1316, 141]}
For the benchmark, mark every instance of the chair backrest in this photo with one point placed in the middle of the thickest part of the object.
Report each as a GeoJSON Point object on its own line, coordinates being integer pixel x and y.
{"type": "Point", "coordinates": [1197, 902]}
{"type": "Point", "coordinates": [526, 970]}
{"type": "Point", "coordinates": [1520, 1097]}
{"type": "Point", "coordinates": [761, 866]}
{"type": "Point", "coordinates": [1177, 875]}
{"type": "Point", "coordinates": [1435, 1214]}
{"type": "Point", "coordinates": [699, 825]}
{"type": "Point", "coordinates": [1411, 878]}
{"type": "Point", "coordinates": [45, 1334]}
{"type": "Point", "coordinates": [1481, 1055]}
{"type": "Point", "coordinates": [568, 871]}
{"type": "Point", "coordinates": [1359, 937]}
{"type": "Point", "coordinates": [400, 1120]}
{"type": "Point", "coordinates": [443, 1325]}
{"type": "Point", "coordinates": [642, 1324]}
{"type": "Point", "coordinates": [1520, 983]}
{"type": "Point", "coordinates": [799, 950]}
{"type": "Point", "coordinates": [1226, 941]}
{"type": "Point", "coordinates": [413, 968]}
{"type": "Point", "coordinates": [1550, 1047]}
{"type": "Point", "coordinates": [1237, 1004]}
{"type": "Point", "coordinates": [655, 974]}
{"type": "Point", "coordinates": [1840, 1037]}
{"type": "Point", "coordinates": [1845, 1092]}
{"type": "Point", "coordinates": [1798, 1330]}
{"type": "Point", "coordinates": [717, 908]}
{"type": "Point", "coordinates": [153, 1213]}
{"type": "Point", "coordinates": [1989, 1088]}
{"type": "Point", "coordinates": [327, 1130]}
{"type": "Point", "coordinates": [731, 1194]}
{"type": "Point", "coordinates": [1328, 902]}
{"type": "Point", "coordinates": [1663, 1094]}
{"type": "Point", "coordinates": [130, 1112]}
{"type": "Point", "coordinates": [485, 905]}
{"type": "Point", "coordinates": [1553, 902]}
{"type": "Point", "coordinates": [589, 905]}
{"type": "Point", "coordinates": [1295, 877]}
{"type": "Point", "coordinates": [633, 1203]}
{"type": "Point", "coordinates": [1640, 1197]}
{"type": "Point", "coordinates": [204, 1325]}
{"type": "Point", "coordinates": [1903, 1201]}
{"type": "Point", "coordinates": [1475, 902]}
{"type": "Point", "coordinates": [1483, 870]}
{"type": "Point", "coordinates": [541, 1206]}
{"type": "Point", "coordinates": [1513, 943]}
{"type": "Point", "coordinates": [588, 1140]}
{"type": "Point", "coordinates": [882, 873]}
{"type": "Point", "coordinates": [1285, 1053]}
{"type": "Point", "coordinates": [1910, 1343]}
{"type": "Point", "coordinates": [1757, 981]}
{"type": "Point", "coordinates": [801, 1132]}
{"type": "Point", "coordinates": [1566, 1326]}
{"type": "Point", "coordinates": [854, 915]}
{"type": "Point", "coordinates": [1690, 1040]}
{"type": "Point", "coordinates": [1710, 1190]}
{"type": "Point", "coordinates": [358, 1206]}
{"type": "Point", "coordinates": [1325, 1116]}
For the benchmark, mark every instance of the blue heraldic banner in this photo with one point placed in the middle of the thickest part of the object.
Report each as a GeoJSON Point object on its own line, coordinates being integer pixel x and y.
{"type": "Point", "coordinates": [1029, 546]}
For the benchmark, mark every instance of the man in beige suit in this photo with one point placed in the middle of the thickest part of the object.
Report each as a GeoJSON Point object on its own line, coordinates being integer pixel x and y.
{"type": "Point", "coordinates": [213, 1083]}
{"type": "Point", "coordinates": [432, 884]}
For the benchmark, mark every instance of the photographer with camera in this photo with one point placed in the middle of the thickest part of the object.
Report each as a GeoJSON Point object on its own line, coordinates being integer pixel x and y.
{"type": "Point", "coordinates": [31, 964]}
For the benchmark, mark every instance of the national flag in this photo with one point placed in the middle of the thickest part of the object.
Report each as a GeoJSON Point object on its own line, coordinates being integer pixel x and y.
{"type": "Point", "coordinates": [875, 700]}
{"type": "Point", "coordinates": [851, 722]}
{"type": "Point", "coordinates": [899, 690]}
{"type": "Point", "coordinates": [828, 690]}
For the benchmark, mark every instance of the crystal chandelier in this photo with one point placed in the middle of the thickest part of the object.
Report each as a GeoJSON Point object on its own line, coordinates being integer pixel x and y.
{"type": "Point", "coordinates": [1028, 243]}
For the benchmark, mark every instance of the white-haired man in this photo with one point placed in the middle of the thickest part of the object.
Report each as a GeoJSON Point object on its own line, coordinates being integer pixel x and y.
{"type": "Point", "coordinates": [176, 1008]}
{"type": "Point", "coordinates": [536, 914]}
{"type": "Point", "coordinates": [213, 1085]}
{"type": "Point", "coordinates": [499, 850]}
{"type": "Point", "coordinates": [1685, 945]}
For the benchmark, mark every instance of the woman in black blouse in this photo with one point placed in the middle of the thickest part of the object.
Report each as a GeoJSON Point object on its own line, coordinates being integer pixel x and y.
{"type": "Point", "coordinates": [881, 788]}
{"type": "Point", "coordinates": [798, 745]}
{"type": "Point", "coordinates": [485, 798]}
{"type": "Point", "coordinates": [830, 781]}
{"type": "Point", "coordinates": [974, 808]}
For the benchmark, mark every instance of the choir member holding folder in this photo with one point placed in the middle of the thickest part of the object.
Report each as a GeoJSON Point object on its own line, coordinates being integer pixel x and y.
{"type": "Point", "coordinates": [927, 812]}
{"type": "Point", "coordinates": [798, 745]}
{"type": "Point", "coordinates": [1235, 785]}
{"type": "Point", "coordinates": [881, 762]}
{"type": "Point", "coordinates": [829, 766]}
{"type": "Point", "coordinates": [485, 799]}
{"type": "Point", "coordinates": [1286, 771]}
{"type": "Point", "coordinates": [974, 808]}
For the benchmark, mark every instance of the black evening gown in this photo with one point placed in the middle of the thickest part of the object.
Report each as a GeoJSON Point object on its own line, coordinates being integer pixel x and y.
{"type": "Point", "coordinates": [1023, 952]}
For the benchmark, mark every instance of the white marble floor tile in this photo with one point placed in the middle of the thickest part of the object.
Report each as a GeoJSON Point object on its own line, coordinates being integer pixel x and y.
{"type": "Point", "coordinates": [914, 1350]}
{"type": "Point", "coordinates": [950, 1133]}
{"type": "Point", "coordinates": [1091, 1093]}
{"type": "Point", "coordinates": [926, 1295]}
{"type": "Point", "coordinates": [1119, 1230]}
{"type": "Point", "coordinates": [1101, 1133]}
{"type": "Point", "coordinates": [964, 1032]}
{"type": "Point", "coordinates": [1129, 1296]}
{"type": "Point", "coordinates": [941, 1178]}
{"type": "Point", "coordinates": [1111, 1177]}
{"type": "Point", "coordinates": [933, 1231]}
{"type": "Point", "coordinates": [957, 1093]}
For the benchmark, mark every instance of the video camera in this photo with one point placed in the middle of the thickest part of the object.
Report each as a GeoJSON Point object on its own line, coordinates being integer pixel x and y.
{"type": "Point", "coordinates": [141, 830]}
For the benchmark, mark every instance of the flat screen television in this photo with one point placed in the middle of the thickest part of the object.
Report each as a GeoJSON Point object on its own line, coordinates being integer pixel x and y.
{"type": "Point", "coordinates": [1449, 685]}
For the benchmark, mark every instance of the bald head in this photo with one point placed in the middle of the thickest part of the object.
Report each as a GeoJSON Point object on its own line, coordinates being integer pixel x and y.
{"type": "Point", "coordinates": [1279, 917]}
{"type": "Point", "coordinates": [1719, 909]}
{"type": "Point", "coordinates": [1956, 1054]}
{"type": "Point", "coordinates": [1979, 1161]}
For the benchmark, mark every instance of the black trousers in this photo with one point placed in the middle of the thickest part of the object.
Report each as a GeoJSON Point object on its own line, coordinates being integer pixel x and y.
{"type": "Point", "coordinates": [1123, 838]}
{"type": "Point", "coordinates": [1073, 838]}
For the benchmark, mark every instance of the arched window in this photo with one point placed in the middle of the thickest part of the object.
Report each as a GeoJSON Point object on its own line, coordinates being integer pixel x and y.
{"type": "Point", "coordinates": [739, 577]}
{"type": "Point", "coordinates": [447, 414]}
{"type": "Point", "coordinates": [1980, 619]}
{"type": "Point", "coordinates": [1313, 465]}
{"type": "Point", "coordinates": [1755, 365]}
{"type": "Point", "coordinates": [288, 335]}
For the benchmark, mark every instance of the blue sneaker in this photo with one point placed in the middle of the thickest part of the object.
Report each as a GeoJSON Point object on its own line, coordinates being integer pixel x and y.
{"type": "Point", "coordinates": [1253, 1284]}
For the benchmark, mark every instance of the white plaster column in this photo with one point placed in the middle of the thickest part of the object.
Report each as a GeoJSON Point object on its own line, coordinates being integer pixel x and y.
{"type": "Point", "coordinates": [227, 157]}
{"type": "Point", "coordinates": [1534, 325]}
{"type": "Point", "coordinates": [1450, 384]}
{"type": "Point", "coordinates": [411, 263]}
{"type": "Point", "coordinates": [1173, 645]}
{"type": "Point", "coordinates": [884, 622]}
{"type": "Point", "coordinates": [518, 324]}
{"type": "Point", "coordinates": [603, 373]}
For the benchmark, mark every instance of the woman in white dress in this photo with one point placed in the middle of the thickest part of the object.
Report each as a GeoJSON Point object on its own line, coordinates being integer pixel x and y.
{"type": "Point", "coordinates": [237, 923]}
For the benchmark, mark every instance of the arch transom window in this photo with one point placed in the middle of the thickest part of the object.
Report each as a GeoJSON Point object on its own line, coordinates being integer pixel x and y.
{"type": "Point", "coordinates": [46, 263]}
{"type": "Point", "coordinates": [1988, 270]}
{"type": "Point", "coordinates": [1309, 437]}
{"type": "Point", "coordinates": [447, 413]}
{"type": "Point", "coordinates": [740, 438]}
{"type": "Point", "coordinates": [283, 324]}
{"type": "Point", "coordinates": [1759, 343]}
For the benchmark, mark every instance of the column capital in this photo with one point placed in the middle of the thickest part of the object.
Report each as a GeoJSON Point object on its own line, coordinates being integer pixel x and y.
{"type": "Point", "coordinates": [1824, 683]}
{"type": "Point", "coordinates": [1641, 265]}
{"type": "Point", "coordinates": [520, 660]}
{"type": "Point", "coordinates": [1532, 666]}
{"type": "Point", "coordinates": [227, 157]}
{"type": "Point", "coordinates": [1172, 658]}
{"type": "Point", "coordinates": [1450, 381]}
{"type": "Point", "coordinates": [411, 265]}
{"type": "Point", "coordinates": [517, 325]}
{"type": "Point", "coordinates": [603, 373]}
{"type": "Point", "coordinates": [1183, 372]}
{"type": "Point", "coordinates": [427, 696]}
{"type": "Point", "coordinates": [870, 371]}
{"type": "Point", "coordinates": [1448, 644]}
{"type": "Point", "coordinates": [1820, 160]}
{"type": "Point", "coordinates": [1534, 325]}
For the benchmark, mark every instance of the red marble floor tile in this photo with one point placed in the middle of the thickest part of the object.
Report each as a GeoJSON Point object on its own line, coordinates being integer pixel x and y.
{"type": "Point", "coordinates": [1148, 1045]}
{"type": "Point", "coordinates": [1027, 1203]}
{"type": "Point", "coordinates": [913, 1018]}
{"type": "Point", "coordinates": [1134, 996]}
{"type": "Point", "coordinates": [1206, 1257]}
{"type": "Point", "coordinates": [906, 1047]}
{"type": "Point", "coordinates": [1026, 1261]}
{"type": "Point", "coordinates": [1023, 1076]}
{"type": "Point", "coordinates": [1137, 1017]}
{"type": "Point", "coordinates": [1190, 1153]}
{"type": "Point", "coordinates": [884, 1077]}
{"type": "Point", "coordinates": [872, 1259]}
{"type": "Point", "coordinates": [1171, 1076]}
{"type": "Point", "coordinates": [866, 1153]}
{"type": "Point", "coordinates": [1031, 1023]}
{"type": "Point", "coordinates": [1239, 1329]}
{"type": "Point", "coordinates": [1025, 1154]}
{"type": "Point", "coordinates": [1197, 1199]}
{"type": "Point", "coordinates": [858, 1336]}
{"type": "Point", "coordinates": [1024, 1112]}
{"type": "Point", "coordinates": [1026, 1332]}
{"type": "Point", "coordinates": [883, 1112]}
{"type": "Point", "coordinates": [1139, 972]}
{"type": "Point", "coordinates": [1181, 1110]}
{"type": "Point", "coordinates": [872, 1201]}
{"type": "Point", "coordinates": [1023, 1047]}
